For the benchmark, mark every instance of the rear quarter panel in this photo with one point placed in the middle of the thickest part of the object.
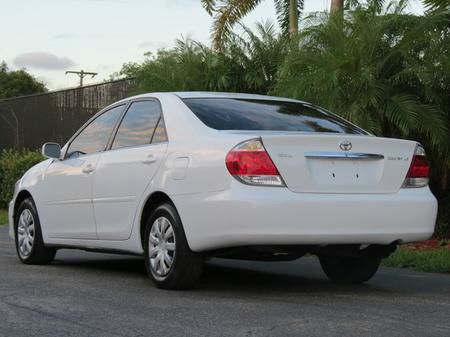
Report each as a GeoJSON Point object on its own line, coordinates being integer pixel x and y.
{"type": "Point", "coordinates": [195, 160]}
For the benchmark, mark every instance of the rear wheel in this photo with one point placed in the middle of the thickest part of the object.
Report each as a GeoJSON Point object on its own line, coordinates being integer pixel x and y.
{"type": "Point", "coordinates": [169, 261]}
{"type": "Point", "coordinates": [28, 236]}
{"type": "Point", "coordinates": [350, 269]}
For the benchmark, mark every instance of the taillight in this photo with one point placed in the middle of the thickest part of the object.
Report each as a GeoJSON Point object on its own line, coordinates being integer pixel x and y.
{"type": "Point", "coordinates": [250, 163]}
{"type": "Point", "coordinates": [418, 170]}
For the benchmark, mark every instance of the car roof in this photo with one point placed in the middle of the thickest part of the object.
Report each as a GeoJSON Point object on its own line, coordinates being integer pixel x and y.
{"type": "Point", "coordinates": [211, 94]}
{"type": "Point", "coordinates": [207, 94]}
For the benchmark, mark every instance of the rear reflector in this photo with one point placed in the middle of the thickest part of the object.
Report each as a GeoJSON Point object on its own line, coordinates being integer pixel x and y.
{"type": "Point", "coordinates": [418, 170]}
{"type": "Point", "coordinates": [250, 163]}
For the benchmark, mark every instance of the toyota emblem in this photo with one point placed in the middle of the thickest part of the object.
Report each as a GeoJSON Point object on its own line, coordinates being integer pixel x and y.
{"type": "Point", "coordinates": [345, 145]}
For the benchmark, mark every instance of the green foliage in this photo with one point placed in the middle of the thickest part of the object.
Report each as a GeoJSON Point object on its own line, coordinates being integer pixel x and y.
{"type": "Point", "coordinates": [437, 261]}
{"type": "Point", "coordinates": [13, 164]}
{"type": "Point", "coordinates": [443, 225]}
{"type": "Point", "coordinates": [249, 63]}
{"type": "Point", "coordinates": [371, 69]}
{"type": "Point", "coordinates": [282, 11]}
{"type": "Point", "coordinates": [437, 4]}
{"type": "Point", "coordinates": [227, 13]}
{"type": "Point", "coordinates": [18, 83]}
{"type": "Point", "coordinates": [3, 217]}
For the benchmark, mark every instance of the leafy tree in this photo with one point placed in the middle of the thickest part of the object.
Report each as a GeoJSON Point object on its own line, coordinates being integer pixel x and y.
{"type": "Point", "coordinates": [18, 83]}
{"type": "Point", "coordinates": [228, 12]}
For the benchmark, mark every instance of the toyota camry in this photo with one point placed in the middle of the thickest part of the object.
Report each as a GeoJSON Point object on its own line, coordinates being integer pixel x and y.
{"type": "Point", "coordinates": [182, 177]}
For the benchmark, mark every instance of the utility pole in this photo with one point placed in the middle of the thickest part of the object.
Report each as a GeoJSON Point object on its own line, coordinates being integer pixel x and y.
{"type": "Point", "coordinates": [82, 74]}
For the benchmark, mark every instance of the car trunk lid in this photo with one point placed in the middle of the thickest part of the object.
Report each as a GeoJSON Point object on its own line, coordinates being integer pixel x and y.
{"type": "Point", "coordinates": [328, 163]}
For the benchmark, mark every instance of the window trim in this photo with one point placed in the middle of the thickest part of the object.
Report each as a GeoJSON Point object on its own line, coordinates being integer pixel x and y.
{"type": "Point", "coordinates": [116, 128]}
{"type": "Point", "coordinates": [161, 117]}
{"type": "Point", "coordinates": [91, 120]}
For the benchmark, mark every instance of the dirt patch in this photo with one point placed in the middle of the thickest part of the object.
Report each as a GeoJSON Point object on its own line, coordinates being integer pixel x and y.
{"type": "Point", "coordinates": [428, 245]}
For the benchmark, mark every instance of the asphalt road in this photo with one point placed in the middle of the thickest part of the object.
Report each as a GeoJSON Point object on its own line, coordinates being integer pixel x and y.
{"type": "Point", "coordinates": [88, 294]}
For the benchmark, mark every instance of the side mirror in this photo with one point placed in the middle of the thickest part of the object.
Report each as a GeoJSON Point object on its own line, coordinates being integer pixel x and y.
{"type": "Point", "coordinates": [51, 150]}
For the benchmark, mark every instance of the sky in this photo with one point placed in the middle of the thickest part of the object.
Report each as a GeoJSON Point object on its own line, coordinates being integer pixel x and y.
{"type": "Point", "coordinates": [48, 37]}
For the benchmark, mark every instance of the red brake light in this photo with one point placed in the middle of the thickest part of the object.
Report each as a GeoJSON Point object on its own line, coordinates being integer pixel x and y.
{"type": "Point", "coordinates": [250, 163]}
{"type": "Point", "coordinates": [419, 169]}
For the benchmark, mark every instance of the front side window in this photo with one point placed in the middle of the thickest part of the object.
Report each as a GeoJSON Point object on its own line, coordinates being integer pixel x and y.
{"type": "Point", "coordinates": [138, 125]}
{"type": "Point", "coordinates": [95, 136]}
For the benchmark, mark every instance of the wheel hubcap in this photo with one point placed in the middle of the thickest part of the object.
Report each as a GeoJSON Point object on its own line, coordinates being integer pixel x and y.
{"type": "Point", "coordinates": [161, 246]}
{"type": "Point", "coordinates": [25, 233]}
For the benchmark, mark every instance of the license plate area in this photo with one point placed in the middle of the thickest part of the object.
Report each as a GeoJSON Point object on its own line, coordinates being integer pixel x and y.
{"type": "Point", "coordinates": [347, 172]}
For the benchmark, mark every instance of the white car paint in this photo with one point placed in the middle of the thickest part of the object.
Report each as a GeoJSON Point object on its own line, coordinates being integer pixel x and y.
{"type": "Point", "coordinates": [96, 201]}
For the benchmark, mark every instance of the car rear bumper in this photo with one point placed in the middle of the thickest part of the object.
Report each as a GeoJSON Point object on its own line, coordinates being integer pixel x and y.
{"type": "Point", "coordinates": [246, 215]}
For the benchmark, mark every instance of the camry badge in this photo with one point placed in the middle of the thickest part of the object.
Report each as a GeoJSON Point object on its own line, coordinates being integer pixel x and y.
{"type": "Point", "coordinates": [345, 145]}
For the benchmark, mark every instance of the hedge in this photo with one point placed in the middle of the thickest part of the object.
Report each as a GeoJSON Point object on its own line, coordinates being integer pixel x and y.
{"type": "Point", "coordinates": [13, 164]}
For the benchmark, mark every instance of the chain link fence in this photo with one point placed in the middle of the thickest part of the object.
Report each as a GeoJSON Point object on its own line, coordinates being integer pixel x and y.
{"type": "Point", "coordinates": [30, 121]}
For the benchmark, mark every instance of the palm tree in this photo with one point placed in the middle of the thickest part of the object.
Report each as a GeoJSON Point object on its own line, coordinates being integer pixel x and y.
{"type": "Point", "coordinates": [336, 6]}
{"type": "Point", "coordinates": [380, 71]}
{"type": "Point", "coordinates": [249, 62]}
{"type": "Point", "coordinates": [228, 12]}
{"type": "Point", "coordinates": [437, 4]}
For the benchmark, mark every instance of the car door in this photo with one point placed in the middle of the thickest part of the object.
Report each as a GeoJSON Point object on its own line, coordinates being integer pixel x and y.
{"type": "Point", "coordinates": [124, 172]}
{"type": "Point", "coordinates": [67, 209]}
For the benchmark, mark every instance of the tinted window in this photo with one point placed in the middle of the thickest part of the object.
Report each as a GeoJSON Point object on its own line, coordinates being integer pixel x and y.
{"type": "Point", "coordinates": [96, 135]}
{"type": "Point", "coordinates": [251, 114]}
{"type": "Point", "coordinates": [138, 124]}
{"type": "Point", "coordinates": [160, 135]}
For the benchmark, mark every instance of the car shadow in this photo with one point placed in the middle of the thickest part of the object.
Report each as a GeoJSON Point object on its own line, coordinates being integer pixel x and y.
{"type": "Point", "coordinates": [251, 278]}
{"type": "Point", "coordinates": [107, 263]}
{"type": "Point", "coordinates": [261, 279]}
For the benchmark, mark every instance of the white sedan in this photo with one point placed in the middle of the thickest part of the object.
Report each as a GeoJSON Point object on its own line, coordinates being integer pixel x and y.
{"type": "Point", "coordinates": [181, 177]}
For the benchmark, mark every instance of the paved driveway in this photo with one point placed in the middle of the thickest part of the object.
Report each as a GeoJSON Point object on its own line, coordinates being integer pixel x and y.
{"type": "Point", "coordinates": [87, 294]}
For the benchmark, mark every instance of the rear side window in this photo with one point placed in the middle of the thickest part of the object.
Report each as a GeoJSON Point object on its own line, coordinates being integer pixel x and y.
{"type": "Point", "coordinates": [138, 125]}
{"type": "Point", "coordinates": [253, 114]}
{"type": "Point", "coordinates": [160, 134]}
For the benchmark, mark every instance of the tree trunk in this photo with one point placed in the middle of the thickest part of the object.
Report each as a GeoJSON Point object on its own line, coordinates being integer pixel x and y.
{"type": "Point", "coordinates": [293, 17]}
{"type": "Point", "coordinates": [336, 6]}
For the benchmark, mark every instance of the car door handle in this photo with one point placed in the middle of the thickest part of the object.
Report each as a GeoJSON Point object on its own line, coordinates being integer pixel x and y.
{"type": "Point", "coordinates": [88, 169]}
{"type": "Point", "coordinates": [150, 159]}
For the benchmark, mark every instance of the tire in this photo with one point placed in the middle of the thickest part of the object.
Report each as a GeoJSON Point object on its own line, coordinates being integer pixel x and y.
{"type": "Point", "coordinates": [349, 269]}
{"type": "Point", "coordinates": [27, 228]}
{"type": "Point", "coordinates": [168, 259]}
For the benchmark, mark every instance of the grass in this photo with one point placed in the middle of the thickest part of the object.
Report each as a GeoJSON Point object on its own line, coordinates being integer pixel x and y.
{"type": "Point", "coordinates": [436, 260]}
{"type": "Point", "coordinates": [3, 217]}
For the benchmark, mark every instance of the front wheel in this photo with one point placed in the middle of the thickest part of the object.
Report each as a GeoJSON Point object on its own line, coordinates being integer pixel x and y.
{"type": "Point", "coordinates": [28, 236]}
{"type": "Point", "coordinates": [168, 259]}
{"type": "Point", "coordinates": [349, 269]}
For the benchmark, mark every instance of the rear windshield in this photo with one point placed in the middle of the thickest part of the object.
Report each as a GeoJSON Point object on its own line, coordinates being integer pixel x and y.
{"type": "Point", "coordinates": [254, 114]}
